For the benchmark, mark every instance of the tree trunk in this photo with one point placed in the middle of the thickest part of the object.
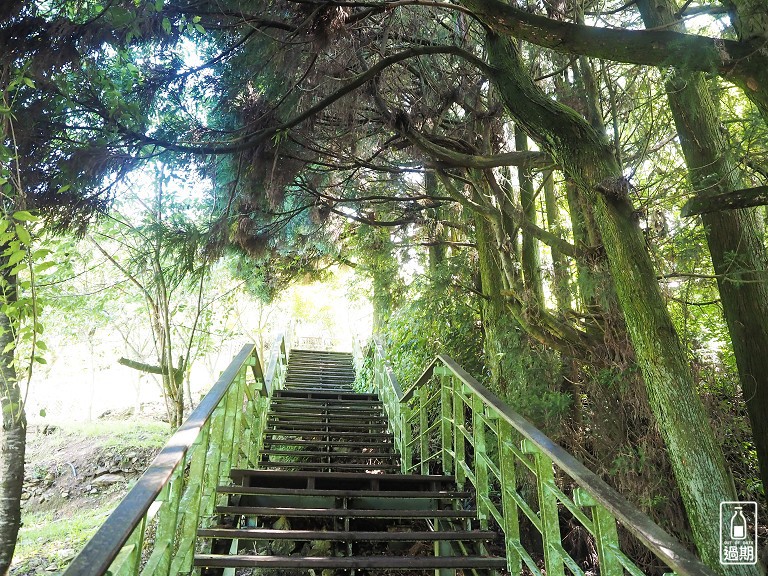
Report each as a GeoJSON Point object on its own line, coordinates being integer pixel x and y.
{"type": "Point", "coordinates": [734, 237]}
{"type": "Point", "coordinates": [695, 455]}
{"type": "Point", "coordinates": [12, 440]}
{"type": "Point", "coordinates": [560, 277]}
{"type": "Point", "coordinates": [530, 256]}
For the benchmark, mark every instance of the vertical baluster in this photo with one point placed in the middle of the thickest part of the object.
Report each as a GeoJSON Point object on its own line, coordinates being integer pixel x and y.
{"type": "Point", "coordinates": [458, 434]}
{"type": "Point", "coordinates": [405, 416]}
{"type": "Point", "coordinates": [606, 536]}
{"type": "Point", "coordinates": [168, 518]}
{"type": "Point", "coordinates": [480, 465]}
{"type": "Point", "coordinates": [192, 504]}
{"type": "Point", "coordinates": [446, 415]}
{"type": "Point", "coordinates": [550, 523]}
{"type": "Point", "coordinates": [423, 425]}
{"type": "Point", "coordinates": [128, 560]}
{"type": "Point", "coordinates": [511, 525]}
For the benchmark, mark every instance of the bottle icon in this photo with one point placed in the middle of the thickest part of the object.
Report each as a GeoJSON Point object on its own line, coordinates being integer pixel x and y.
{"type": "Point", "coordinates": [738, 525]}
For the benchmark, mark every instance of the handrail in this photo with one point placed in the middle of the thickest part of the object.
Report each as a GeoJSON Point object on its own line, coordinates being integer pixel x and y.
{"type": "Point", "coordinates": [179, 487]}
{"type": "Point", "coordinates": [456, 390]}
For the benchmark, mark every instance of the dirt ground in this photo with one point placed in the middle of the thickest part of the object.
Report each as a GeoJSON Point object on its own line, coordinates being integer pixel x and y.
{"type": "Point", "coordinates": [74, 477]}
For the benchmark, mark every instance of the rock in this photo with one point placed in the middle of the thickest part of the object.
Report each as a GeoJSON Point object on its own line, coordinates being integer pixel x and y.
{"type": "Point", "coordinates": [25, 496]}
{"type": "Point", "coordinates": [65, 494]}
{"type": "Point", "coordinates": [52, 568]}
{"type": "Point", "coordinates": [107, 479]}
{"type": "Point", "coordinates": [42, 499]}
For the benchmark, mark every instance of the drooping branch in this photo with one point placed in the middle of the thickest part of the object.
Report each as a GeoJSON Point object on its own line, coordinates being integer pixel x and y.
{"type": "Point", "coordinates": [757, 196]}
{"type": "Point", "coordinates": [178, 373]}
{"type": "Point", "coordinates": [744, 63]}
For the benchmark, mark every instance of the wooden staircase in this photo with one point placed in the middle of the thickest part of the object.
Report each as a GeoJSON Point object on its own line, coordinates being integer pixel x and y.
{"type": "Point", "coordinates": [328, 497]}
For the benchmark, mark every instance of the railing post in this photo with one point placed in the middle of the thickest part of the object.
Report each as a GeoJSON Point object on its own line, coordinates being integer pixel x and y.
{"type": "Point", "coordinates": [167, 519]}
{"type": "Point", "coordinates": [423, 394]}
{"type": "Point", "coordinates": [550, 523]}
{"type": "Point", "coordinates": [458, 431]}
{"type": "Point", "coordinates": [407, 452]}
{"type": "Point", "coordinates": [508, 483]}
{"type": "Point", "coordinates": [128, 561]}
{"type": "Point", "coordinates": [192, 503]}
{"type": "Point", "coordinates": [606, 535]}
{"type": "Point", "coordinates": [480, 465]}
{"type": "Point", "coordinates": [446, 416]}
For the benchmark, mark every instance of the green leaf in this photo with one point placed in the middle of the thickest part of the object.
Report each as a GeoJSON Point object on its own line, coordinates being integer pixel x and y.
{"type": "Point", "coordinates": [42, 412]}
{"type": "Point", "coordinates": [23, 234]}
{"type": "Point", "coordinates": [167, 25]}
{"type": "Point", "coordinates": [10, 346]}
{"type": "Point", "coordinates": [44, 266]}
{"type": "Point", "coordinates": [25, 216]}
{"type": "Point", "coordinates": [29, 82]}
{"type": "Point", "coordinates": [158, 5]}
{"type": "Point", "coordinates": [40, 360]}
{"type": "Point", "coordinates": [199, 28]}
{"type": "Point", "coordinates": [16, 257]}
{"type": "Point", "coordinates": [40, 253]}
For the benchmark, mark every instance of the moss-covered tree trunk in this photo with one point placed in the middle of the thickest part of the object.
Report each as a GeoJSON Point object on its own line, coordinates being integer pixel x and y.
{"type": "Point", "coordinates": [531, 261]}
{"type": "Point", "coordinates": [734, 237]}
{"type": "Point", "coordinates": [585, 156]}
{"type": "Point", "coordinates": [12, 438]}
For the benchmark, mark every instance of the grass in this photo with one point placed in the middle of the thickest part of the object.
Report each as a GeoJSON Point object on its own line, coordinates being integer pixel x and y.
{"type": "Point", "coordinates": [122, 433]}
{"type": "Point", "coordinates": [54, 531]}
{"type": "Point", "coordinates": [55, 540]}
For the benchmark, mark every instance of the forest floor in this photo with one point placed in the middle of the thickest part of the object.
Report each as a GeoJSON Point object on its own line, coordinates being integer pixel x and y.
{"type": "Point", "coordinates": [75, 475]}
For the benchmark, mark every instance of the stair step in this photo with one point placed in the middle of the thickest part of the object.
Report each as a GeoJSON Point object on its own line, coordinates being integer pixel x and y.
{"type": "Point", "coordinates": [326, 412]}
{"type": "Point", "coordinates": [315, 453]}
{"type": "Point", "coordinates": [293, 399]}
{"type": "Point", "coordinates": [319, 443]}
{"type": "Point", "coordinates": [349, 562]}
{"type": "Point", "coordinates": [300, 425]}
{"type": "Point", "coordinates": [333, 478]}
{"type": "Point", "coordinates": [332, 433]}
{"type": "Point", "coordinates": [341, 512]}
{"type": "Point", "coordinates": [286, 393]}
{"type": "Point", "coordinates": [351, 536]}
{"type": "Point", "coordinates": [269, 464]}
{"type": "Point", "coordinates": [261, 490]}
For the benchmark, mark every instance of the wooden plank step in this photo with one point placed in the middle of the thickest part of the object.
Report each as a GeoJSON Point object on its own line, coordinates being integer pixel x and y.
{"type": "Point", "coordinates": [332, 433]}
{"type": "Point", "coordinates": [288, 411]}
{"type": "Point", "coordinates": [237, 473]}
{"type": "Point", "coordinates": [311, 453]}
{"type": "Point", "coordinates": [331, 425]}
{"type": "Point", "coordinates": [289, 442]}
{"type": "Point", "coordinates": [371, 400]}
{"type": "Point", "coordinates": [349, 562]}
{"type": "Point", "coordinates": [260, 490]}
{"type": "Point", "coordinates": [351, 536]}
{"type": "Point", "coordinates": [327, 465]}
{"type": "Point", "coordinates": [341, 512]}
{"type": "Point", "coordinates": [286, 393]}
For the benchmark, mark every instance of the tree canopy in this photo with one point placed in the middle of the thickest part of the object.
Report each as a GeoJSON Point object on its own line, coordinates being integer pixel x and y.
{"type": "Point", "coordinates": [525, 161]}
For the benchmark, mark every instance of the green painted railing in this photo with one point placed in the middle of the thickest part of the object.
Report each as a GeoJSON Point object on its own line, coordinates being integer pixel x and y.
{"type": "Point", "coordinates": [153, 529]}
{"type": "Point", "coordinates": [448, 423]}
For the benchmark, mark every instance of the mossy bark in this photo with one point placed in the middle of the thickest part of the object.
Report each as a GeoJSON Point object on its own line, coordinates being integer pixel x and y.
{"type": "Point", "coordinates": [586, 157]}
{"type": "Point", "coordinates": [530, 254]}
{"type": "Point", "coordinates": [12, 440]}
{"type": "Point", "coordinates": [734, 237]}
